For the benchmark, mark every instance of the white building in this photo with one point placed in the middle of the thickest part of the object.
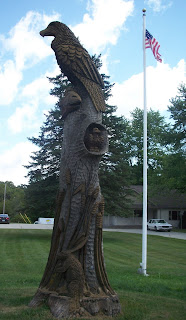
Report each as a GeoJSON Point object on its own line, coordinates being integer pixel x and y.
{"type": "Point", "coordinates": [169, 205]}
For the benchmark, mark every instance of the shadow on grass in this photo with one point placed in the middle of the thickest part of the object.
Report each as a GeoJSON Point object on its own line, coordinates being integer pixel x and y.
{"type": "Point", "coordinates": [25, 234]}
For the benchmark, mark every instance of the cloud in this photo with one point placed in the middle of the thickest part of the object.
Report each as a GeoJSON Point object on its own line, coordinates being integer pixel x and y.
{"type": "Point", "coordinates": [162, 85]}
{"type": "Point", "coordinates": [103, 22]}
{"type": "Point", "coordinates": [22, 118]}
{"type": "Point", "coordinates": [24, 47]}
{"type": "Point", "coordinates": [104, 60]}
{"type": "Point", "coordinates": [10, 77]}
{"type": "Point", "coordinates": [26, 43]}
{"type": "Point", "coordinates": [34, 95]}
{"type": "Point", "coordinates": [12, 161]}
{"type": "Point", "coordinates": [41, 86]}
{"type": "Point", "coordinates": [159, 5]}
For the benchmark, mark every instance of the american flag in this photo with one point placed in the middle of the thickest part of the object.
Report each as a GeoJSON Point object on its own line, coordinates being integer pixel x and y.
{"type": "Point", "coordinates": [151, 42]}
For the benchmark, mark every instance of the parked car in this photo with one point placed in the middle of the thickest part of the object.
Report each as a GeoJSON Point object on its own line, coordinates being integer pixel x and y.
{"type": "Point", "coordinates": [4, 218]}
{"type": "Point", "coordinates": [159, 225]}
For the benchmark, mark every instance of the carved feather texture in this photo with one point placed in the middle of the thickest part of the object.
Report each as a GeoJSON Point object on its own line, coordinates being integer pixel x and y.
{"type": "Point", "coordinates": [75, 62]}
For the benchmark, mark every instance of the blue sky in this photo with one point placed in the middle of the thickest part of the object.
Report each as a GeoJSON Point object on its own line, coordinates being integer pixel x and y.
{"type": "Point", "coordinates": [110, 27]}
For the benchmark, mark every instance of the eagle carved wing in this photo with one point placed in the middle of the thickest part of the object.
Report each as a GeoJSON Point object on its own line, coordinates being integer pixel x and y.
{"type": "Point", "coordinates": [79, 60]}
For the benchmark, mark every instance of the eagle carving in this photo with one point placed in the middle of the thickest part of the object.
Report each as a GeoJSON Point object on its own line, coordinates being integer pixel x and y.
{"type": "Point", "coordinates": [75, 62]}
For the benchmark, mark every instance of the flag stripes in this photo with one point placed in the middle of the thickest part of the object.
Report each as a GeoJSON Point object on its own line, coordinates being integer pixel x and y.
{"type": "Point", "coordinates": [151, 42]}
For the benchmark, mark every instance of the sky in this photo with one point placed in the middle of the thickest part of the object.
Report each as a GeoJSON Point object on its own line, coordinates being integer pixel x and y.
{"type": "Point", "coordinates": [113, 28]}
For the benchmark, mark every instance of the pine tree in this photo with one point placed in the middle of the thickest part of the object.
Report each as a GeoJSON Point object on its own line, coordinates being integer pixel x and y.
{"type": "Point", "coordinates": [43, 170]}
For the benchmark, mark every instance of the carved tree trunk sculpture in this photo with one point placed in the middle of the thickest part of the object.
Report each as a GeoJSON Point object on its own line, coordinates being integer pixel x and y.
{"type": "Point", "coordinates": [75, 282]}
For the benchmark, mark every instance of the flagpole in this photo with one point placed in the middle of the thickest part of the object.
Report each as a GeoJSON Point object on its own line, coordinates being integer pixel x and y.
{"type": "Point", "coordinates": [144, 234]}
{"type": "Point", "coordinates": [4, 199]}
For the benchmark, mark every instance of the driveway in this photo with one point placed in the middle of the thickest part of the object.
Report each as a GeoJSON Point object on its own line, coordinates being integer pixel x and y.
{"type": "Point", "coordinates": [26, 226]}
{"type": "Point", "coordinates": [172, 234]}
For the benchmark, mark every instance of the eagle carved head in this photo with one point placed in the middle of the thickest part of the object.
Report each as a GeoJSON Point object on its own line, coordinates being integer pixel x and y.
{"type": "Point", "coordinates": [52, 29]}
{"type": "Point", "coordinates": [59, 30]}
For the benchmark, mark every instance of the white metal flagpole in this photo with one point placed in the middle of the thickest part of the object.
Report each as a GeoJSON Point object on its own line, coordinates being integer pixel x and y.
{"type": "Point", "coordinates": [144, 234]}
{"type": "Point", "coordinates": [4, 199]}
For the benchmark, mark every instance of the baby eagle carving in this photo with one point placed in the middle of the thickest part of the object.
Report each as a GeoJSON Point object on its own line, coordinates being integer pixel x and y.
{"type": "Point", "coordinates": [75, 62]}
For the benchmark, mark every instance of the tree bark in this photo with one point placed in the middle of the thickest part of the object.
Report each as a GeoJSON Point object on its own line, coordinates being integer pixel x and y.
{"type": "Point", "coordinates": [75, 282]}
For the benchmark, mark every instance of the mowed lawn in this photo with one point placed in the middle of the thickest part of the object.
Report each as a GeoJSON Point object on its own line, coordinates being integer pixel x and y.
{"type": "Point", "coordinates": [162, 295]}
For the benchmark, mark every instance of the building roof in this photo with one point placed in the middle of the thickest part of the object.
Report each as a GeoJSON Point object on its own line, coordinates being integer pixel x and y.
{"type": "Point", "coordinates": [163, 199]}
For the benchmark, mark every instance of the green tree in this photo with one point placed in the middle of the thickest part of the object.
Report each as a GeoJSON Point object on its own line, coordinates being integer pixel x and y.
{"type": "Point", "coordinates": [43, 170]}
{"type": "Point", "coordinates": [14, 200]}
{"type": "Point", "coordinates": [173, 173]}
{"type": "Point", "coordinates": [156, 144]}
{"type": "Point", "coordinates": [46, 160]}
{"type": "Point", "coordinates": [40, 197]}
{"type": "Point", "coordinates": [177, 111]}
{"type": "Point", "coordinates": [115, 170]}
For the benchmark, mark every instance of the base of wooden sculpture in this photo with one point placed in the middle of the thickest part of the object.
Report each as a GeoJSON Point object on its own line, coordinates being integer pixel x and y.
{"type": "Point", "coordinates": [66, 307]}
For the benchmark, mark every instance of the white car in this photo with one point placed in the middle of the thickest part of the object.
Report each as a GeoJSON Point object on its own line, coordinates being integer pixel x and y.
{"type": "Point", "coordinates": [159, 225]}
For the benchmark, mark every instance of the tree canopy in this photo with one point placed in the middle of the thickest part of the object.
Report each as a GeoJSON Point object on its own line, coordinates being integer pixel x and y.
{"type": "Point", "coordinates": [15, 198]}
{"type": "Point", "coordinates": [177, 110]}
{"type": "Point", "coordinates": [173, 173]}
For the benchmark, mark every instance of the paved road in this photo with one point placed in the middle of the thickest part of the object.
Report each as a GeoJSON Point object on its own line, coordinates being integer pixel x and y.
{"type": "Point", "coordinates": [175, 235]}
{"type": "Point", "coordinates": [26, 226]}
{"type": "Point", "coordinates": [172, 234]}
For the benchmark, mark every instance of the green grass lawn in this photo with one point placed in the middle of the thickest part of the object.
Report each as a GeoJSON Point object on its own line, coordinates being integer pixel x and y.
{"type": "Point", "coordinates": [179, 230]}
{"type": "Point", "coordinates": [162, 295]}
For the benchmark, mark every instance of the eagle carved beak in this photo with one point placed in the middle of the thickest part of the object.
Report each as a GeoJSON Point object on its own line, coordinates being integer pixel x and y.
{"type": "Point", "coordinates": [47, 32]}
{"type": "Point", "coordinates": [42, 32]}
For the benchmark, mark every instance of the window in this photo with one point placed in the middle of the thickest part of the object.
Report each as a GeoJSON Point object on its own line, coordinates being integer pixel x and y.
{"type": "Point", "coordinates": [174, 215]}
{"type": "Point", "coordinates": [138, 213]}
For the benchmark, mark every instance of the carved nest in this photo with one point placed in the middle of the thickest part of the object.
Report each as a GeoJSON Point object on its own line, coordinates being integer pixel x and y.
{"type": "Point", "coordinates": [96, 139]}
